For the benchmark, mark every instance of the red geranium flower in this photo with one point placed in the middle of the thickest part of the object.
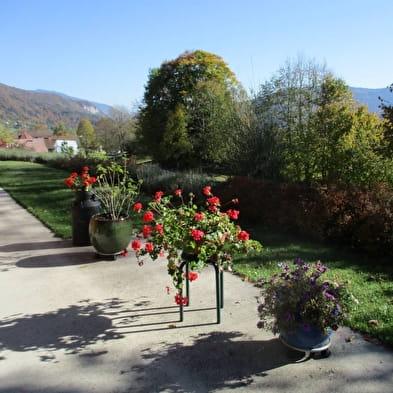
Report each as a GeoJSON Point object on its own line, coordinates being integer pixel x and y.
{"type": "Point", "coordinates": [213, 208]}
{"type": "Point", "coordinates": [199, 216]}
{"type": "Point", "coordinates": [137, 207]}
{"type": "Point", "coordinates": [207, 190]}
{"type": "Point", "coordinates": [159, 228]}
{"type": "Point", "coordinates": [180, 300]}
{"type": "Point", "coordinates": [214, 201]}
{"type": "Point", "coordinates": [234, 214]}
{"type": "Point", "coordinates": [158, 195]}
{"type": "Point", "coordinates": [136, 245]}
{"type": "Point", "coordinates": [197, 234]}
{"type": "Point", "coordinates": [243, 235]}
{"type": "Point", "coordinates": [146, 230]}
{"type": "Point", "coordinates": [148, 216]}
{"type": "Point", "coordinates": [192, 276]}
{"type": "Point", "coordinates": [149, 247]}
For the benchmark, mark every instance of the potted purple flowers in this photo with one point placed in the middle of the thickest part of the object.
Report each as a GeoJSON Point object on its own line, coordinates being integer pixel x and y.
{"type": "Point", "coordinates": [302, 306]}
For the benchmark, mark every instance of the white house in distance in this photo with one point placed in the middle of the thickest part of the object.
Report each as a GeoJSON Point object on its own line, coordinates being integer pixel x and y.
{"type": "Point", "coordinates": [60, 141]}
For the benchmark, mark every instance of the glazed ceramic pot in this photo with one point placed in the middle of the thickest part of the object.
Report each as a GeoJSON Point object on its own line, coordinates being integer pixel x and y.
{"type": "Point", "coordinates": [110, 237]}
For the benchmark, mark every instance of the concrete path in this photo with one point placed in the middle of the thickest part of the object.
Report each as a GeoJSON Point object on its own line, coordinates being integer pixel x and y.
{"type": "Point", "coordinates": [71, 323]}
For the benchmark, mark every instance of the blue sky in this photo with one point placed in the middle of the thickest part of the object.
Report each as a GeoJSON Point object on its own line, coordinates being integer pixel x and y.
{"type": "Point", "coordinates": [103, 50]}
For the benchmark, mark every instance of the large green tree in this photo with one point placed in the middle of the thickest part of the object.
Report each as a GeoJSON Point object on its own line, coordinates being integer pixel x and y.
{"type": "Point", "coordinates": [310, 128]}
{"type": "Point", "coordinates": [87, 135]}
{"type": "Point", "coordinates": [189, 101]}
{"type": "Point", "coordinates": [345, 138]}
{"type": "Point", "coordinates": [6, 135]}
{"type": "Point", "coordinates": [284, 106]}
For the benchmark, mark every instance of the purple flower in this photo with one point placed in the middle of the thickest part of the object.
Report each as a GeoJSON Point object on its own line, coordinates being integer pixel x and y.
{"type": "Point", "coordinates": [287, 316]}
{"type": "Point", "coordinates": [284, 267]}
{"type": "Point", "coordinates": [329, 296]}
{"type": "Point", "coordinates": [297, 274]}
{"type": "Point", "coordinates": [321, 268]}
{"type": "Point", "coordinates": [260, 325]}
{"type": "Point", "coordinates": [261, 307]}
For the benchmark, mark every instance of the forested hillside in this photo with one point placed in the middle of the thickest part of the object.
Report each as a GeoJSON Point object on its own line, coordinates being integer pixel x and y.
{"type": "Point", "coordinates": [25, 108]}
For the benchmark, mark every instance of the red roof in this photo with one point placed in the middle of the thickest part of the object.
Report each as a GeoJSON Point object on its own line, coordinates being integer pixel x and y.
{"type": "Point", "coordinates": [34, 144]}
{"type": "Point", "coordinates": [25, 135]}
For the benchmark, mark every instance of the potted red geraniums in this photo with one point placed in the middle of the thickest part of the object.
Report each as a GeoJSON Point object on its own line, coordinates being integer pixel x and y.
{"type": "Point", "coordinates": [180, 228]}
{"type": "Point", "coordinates": [80, 181]}
{"type": "Point", "coordinates": [84, 206]}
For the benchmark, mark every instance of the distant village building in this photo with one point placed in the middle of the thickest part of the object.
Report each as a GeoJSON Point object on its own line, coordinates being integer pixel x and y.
{"type": "Point", "coordinates": [44, 141]}
{"type": "Point", "coordinates": [57, 144]}
{"type": "Point", "coordinates": [27, 142]}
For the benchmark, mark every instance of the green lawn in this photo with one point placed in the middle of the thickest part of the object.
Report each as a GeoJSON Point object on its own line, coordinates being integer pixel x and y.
{"type": "Point", "coordinates": [370, 279]}
{"type": "Point", "coordinates": [40, 190]}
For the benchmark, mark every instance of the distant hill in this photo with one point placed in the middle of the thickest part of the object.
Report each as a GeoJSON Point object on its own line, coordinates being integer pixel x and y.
{"type": "Point", "coordinates": [102, 107]}
{"type": "Point", "coordinates": [26, 108]}
{"type": "Point", "coordinates": [369, 97]}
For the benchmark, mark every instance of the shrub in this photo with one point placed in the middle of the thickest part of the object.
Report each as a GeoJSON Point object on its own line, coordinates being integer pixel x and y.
{"type": "Point", "coordinates": [354, 216]}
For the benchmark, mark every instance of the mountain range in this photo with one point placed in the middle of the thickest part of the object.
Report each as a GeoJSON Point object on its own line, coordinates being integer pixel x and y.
{"type": "Point", "coordinates": [26, 109]}
{"type": "Point", "coordinates": [369, 97]}
{"type": "Point", "coordinates": [102, 107]}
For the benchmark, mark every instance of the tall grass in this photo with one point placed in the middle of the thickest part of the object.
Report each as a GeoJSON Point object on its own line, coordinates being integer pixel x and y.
{"type": "Point", "coordinates": [29, 156]}
{"type": "Point", "coordinates": [155, 178]}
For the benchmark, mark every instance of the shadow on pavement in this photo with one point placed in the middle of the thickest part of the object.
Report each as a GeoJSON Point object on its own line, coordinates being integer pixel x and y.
{"type": "Point", "coordinates": [65, 259]}
{"type": "Point", "coordinates": [71, 328]}
{"type": "Point", "coordinates": [36, 246]}
{"type": "Point", "coordinates": [213, 361]}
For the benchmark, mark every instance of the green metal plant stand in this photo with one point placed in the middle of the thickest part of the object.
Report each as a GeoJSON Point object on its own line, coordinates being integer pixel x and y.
{"type": "Point", "coordinates": [219, 278]}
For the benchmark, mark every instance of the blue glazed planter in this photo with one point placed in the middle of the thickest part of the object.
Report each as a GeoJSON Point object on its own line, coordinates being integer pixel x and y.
{"type": "Point", "coordinates": [307, 339]}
